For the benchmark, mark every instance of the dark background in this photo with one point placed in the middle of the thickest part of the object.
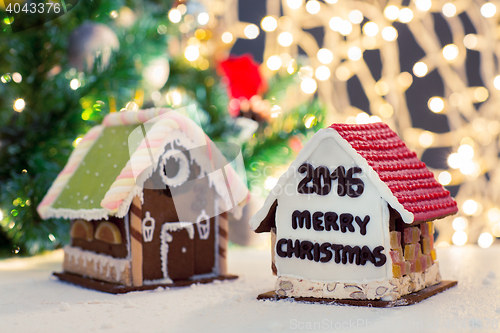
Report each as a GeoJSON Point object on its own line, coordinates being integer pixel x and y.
{"type": "Point", "coordinates": [409, 53]}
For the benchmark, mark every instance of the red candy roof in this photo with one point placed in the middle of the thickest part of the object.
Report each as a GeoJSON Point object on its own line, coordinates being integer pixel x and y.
{"type": "Point", "coordinates": [400, 169]}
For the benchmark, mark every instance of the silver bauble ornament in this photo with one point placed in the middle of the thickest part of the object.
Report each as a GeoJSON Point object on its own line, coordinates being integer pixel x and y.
{"type": "Point", "coordinates": [87, 42]}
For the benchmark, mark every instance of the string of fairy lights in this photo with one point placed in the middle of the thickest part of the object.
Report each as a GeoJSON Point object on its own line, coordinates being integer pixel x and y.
{"type": "Point", "coordinates": [351, 28]}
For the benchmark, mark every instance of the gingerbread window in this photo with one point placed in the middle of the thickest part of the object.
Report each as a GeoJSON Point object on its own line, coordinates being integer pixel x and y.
{"type": "Point", "coordinates": [82, 229]}
{"type": "Point", "coordinates": [109, 233]}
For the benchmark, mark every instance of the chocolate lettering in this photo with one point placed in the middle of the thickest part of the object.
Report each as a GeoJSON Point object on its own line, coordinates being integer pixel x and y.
{"type": "Point", "coordinates": [319, 180]}
{"type": "Point", "coordinates": [355, 186]}
{"type": "Point", "coordinates": [331, 221]}
{"type": "Point", "coordinates": [339, 174]}
{"type": "Point", "coordinates": [344, 254]}
{"type": "Point", "coordinates": [324, 250]}
{"type": "Point", "coordinates": [349, 253]}
{"type": "Point", "coordinates": [317, 221]}
{"type": "Point", "coordinates": [301, 219]}
{"type": "Point", "coordinates": [346, 222]}
{"type": "Point", "coordinates": [377, 253]}
{"type": "Point", "coordinates": [366, 255]}
{"type": "Point", "coordinates": [336, 249]}
{"type": "Point", "coordinates": [316, 252]}
{"type": "Point", "coordinates": [308, 169]}
{"type": "Point", "coordinates": [362, 224]}
{"type": "Point", "coordinates": [279, 248]}
{"type": "Point", "coordinates": [291, 250]}
{"type": "Point", "coordinates": [305, 250]}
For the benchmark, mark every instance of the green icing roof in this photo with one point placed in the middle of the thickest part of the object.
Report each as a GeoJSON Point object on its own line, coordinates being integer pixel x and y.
{"type": "Point", "coordinates": [98, 170]}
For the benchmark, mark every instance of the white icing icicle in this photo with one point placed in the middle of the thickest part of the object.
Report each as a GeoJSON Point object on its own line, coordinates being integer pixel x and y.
{"type": "Point", "coordinates": [175, 226]}
{"type": "Point", "coordinates": [99, 260]}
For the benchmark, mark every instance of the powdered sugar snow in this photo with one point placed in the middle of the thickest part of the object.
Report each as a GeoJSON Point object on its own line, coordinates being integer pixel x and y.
{"type": "Point", "coordinates": [31, 300]}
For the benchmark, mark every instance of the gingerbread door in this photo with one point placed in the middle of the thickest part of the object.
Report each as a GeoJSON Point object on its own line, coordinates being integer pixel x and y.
{"type": "Point", "coordinates": [188, 249]}
{"type": "Point", "coordinates": [177, 250]}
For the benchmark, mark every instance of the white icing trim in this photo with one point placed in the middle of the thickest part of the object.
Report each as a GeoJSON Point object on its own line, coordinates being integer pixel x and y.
{"type": "Point", "coordinates": [216, 268]}
{"type": "Point", "coordinates": [386, 215]}
{"type": "Point", "coordinates": [125, 206]}
{"type": "Point", "coordinates": [184, 171]}
{"type": "Point", "coordinates": [175, 226]}
{"type": "Point", "coordinates": [306, 152]}
{"type": "Point", "coordinates": [127, 235]}
{"type": "Point", "coordinates": [203, 276]}
{"type": "Point", "coordinates": [120, 264]}
{"type": "Point", "coordinates": [159, 281]}
{"type": "Point", "coordinates": [70, 214]}
{"type": "Point", "coordinates": [165, 238]}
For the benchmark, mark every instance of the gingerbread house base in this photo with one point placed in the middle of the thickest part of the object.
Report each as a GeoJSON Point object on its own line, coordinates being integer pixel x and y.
{"type": "Point", "coordinates": [409, 299]}
{"type": "Point", "coordinates": [113, 288]}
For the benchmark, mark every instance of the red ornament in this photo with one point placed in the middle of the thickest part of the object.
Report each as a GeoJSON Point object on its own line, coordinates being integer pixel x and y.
{"type": "Point", "coordinates": [295, 143]}
{"type": "Point", "coordinates": [244, 76]}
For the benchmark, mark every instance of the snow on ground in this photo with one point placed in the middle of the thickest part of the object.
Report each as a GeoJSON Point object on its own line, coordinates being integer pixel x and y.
{"type": "Point", "coordinates": [31, 300]}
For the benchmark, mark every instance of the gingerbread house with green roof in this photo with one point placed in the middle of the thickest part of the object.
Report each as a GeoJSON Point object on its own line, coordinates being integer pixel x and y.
{"type": "Point", "coordinates": [147, 194]}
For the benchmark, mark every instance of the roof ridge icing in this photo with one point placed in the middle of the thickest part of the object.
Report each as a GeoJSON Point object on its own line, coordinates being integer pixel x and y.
{"type": "Point", "coordinates": [132, 117]}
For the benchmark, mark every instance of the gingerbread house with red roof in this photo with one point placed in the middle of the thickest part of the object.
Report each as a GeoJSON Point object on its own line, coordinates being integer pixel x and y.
{"type": "Point", "coordinates": [352, 217]}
